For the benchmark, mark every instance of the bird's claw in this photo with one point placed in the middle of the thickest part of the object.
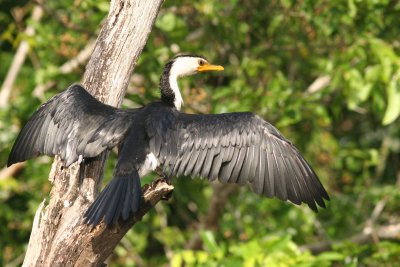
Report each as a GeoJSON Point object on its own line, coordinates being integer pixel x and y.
{"type": "Point", "coordinates": [167, 196]}
{"type": "Point", "coordinates": [163, 179]}
{"type": "Point", "coordinates": [167, 178]}
{"type": "Point", "coordinates": [145, 187]}
{"type": "Point", "coordinates": [157, 181]}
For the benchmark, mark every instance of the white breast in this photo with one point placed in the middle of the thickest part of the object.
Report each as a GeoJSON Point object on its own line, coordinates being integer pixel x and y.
{"type": "Point", "coordinates": [150, 164]}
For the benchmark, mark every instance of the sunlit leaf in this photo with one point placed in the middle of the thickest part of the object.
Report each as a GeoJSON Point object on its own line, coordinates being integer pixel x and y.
{"type": "Point", "coordinates": [393, 102]}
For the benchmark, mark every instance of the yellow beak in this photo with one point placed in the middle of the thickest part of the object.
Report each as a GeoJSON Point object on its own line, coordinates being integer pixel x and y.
{"type": "Point", "coordinates": [209, 67]}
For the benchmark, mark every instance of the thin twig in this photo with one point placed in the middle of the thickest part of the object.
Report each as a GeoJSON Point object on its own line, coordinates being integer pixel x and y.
{"type": "Point", "coordinates": [19, 59]}
{"type": "Point", "coordinates": [391, 231]}
{"type": "Point", "coordinates": [318, 84]}
{"type": "Point", "coordinates": [66, 23]}
{"type": "Point", "coordinates": [221, 193]}
{"type": "Point", "coordinates": [11, 171]}
{"type": "Point", "coordinates": [66, 68]}
{"type": "Point", "coordinates": [370, 233]}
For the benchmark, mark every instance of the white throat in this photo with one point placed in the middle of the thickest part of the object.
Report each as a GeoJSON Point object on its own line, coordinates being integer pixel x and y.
{"type": "Point", "coordinates": [173, 82]}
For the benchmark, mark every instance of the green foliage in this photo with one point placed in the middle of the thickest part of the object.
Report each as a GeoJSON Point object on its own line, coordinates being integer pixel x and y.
{"type": "Point", "coordinates": [347, 128]}
{"type": "Point", "coordinates": [270, 250]}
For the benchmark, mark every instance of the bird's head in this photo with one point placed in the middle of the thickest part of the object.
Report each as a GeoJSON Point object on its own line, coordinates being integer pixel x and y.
{"type": "Point", "coordinates": [185, 65]}
{"type": "Point", "coordinates": [179, 66]}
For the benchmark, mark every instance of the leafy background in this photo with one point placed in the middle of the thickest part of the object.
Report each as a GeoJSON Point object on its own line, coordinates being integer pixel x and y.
{"type": "Point", "coordinates": [326, 73]}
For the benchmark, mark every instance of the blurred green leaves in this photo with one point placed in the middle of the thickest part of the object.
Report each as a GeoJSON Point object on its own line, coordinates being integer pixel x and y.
{"type": "Point", "coordinates": [393, 103]}
{"type": "Point", "coordinates": [169, 22]}
{"type": "Point", "coordinates": [272, 51]}
{"type": "Point", "coordinates": [271, 250]}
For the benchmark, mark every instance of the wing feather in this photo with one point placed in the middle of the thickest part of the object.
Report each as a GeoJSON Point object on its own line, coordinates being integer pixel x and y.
{"type": "Point", "coordinates": [216, 167]}
{"type": "Point", "coordinates": [235, 148]}
{"type": "Point", "coordinates": [238, 166]}
{"type": "Point", "coordinates": [208, 161]}
{"type": "Point", "coordinates": [247, 164]}
{"type": "Point", "coordinates": [200, 161]}
{"type": "Point", "coordinates": [193, 158]}
{"type": "Point", "coordinates": [70, 124]}
{"type": "Point", "coordinates": [226, 171]}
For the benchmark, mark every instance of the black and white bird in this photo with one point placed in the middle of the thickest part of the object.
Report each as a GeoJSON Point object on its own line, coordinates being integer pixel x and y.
{"type": "Point", "coordinates": [237, 148]}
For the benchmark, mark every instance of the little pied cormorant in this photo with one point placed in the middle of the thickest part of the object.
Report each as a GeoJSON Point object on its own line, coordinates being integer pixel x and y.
{"type": "Point", "coordinates": [233, 147]}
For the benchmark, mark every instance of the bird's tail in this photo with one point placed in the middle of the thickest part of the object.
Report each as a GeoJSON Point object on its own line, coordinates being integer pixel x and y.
{"type": "Point", "coordinates": [120, 197]}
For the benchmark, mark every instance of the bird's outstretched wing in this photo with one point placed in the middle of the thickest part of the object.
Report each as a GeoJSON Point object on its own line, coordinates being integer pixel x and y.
{"type": "Point", "coordinates": [70, 124]}
{"type": "Point", "coordinates": [235, 148]}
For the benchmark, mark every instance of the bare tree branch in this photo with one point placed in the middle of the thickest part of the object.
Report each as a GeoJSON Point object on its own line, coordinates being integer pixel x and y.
{"type": "Point", "coordinates": [11, 171]}
{"type": "Point", "coordinates": [18, 60]}
{"type": "Point", "coordinates": [221, 193]}
{"type": "Point", "coordinates": [320, 83]}
{"type": "Point", "coordinates": [63, 20]}
{"type": "Point", "coordinates": [391, 231]}
{"type": "Point", "coordinates": [66, 68]}
{"type": "Point", "coordinates": [370, 233]}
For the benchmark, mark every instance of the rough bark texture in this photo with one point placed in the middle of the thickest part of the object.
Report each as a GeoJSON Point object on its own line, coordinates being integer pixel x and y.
{"type": "Point", "coordinates": [59, 237]}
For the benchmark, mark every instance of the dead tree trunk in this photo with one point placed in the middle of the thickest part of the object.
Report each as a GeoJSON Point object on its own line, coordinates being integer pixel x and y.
{"type": "Point", "coordinates": [59, 237]}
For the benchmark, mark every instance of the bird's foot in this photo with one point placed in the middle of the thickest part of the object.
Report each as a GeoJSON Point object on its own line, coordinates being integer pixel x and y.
{"type": "Point", "coordinates": [153, 184]}
{"type": "Point", "coordinates": [166, 177]}
{"type": "Point", "coordinates": [163, 175]}
{"type": "Point", "coordinates": [157, 181]}
{"type": "Point", "coordinates": [167, 196]}
{"type": "Point", "coordinates": [163, 179]}
{"type": "Point", "coordinates": [145, 187]}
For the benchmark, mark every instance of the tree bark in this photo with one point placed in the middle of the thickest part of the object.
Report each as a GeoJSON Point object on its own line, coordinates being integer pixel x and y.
{"type": "Point", "coordinates": [59, 237]}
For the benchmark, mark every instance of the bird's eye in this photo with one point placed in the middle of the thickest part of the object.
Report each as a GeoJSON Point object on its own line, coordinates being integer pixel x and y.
{"type": "Point", "coordinates": [202, 62]}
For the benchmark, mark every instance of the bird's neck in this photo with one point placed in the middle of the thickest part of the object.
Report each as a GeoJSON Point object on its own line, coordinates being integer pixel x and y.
{"type": "Point", "coordinates": [170, 93]}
